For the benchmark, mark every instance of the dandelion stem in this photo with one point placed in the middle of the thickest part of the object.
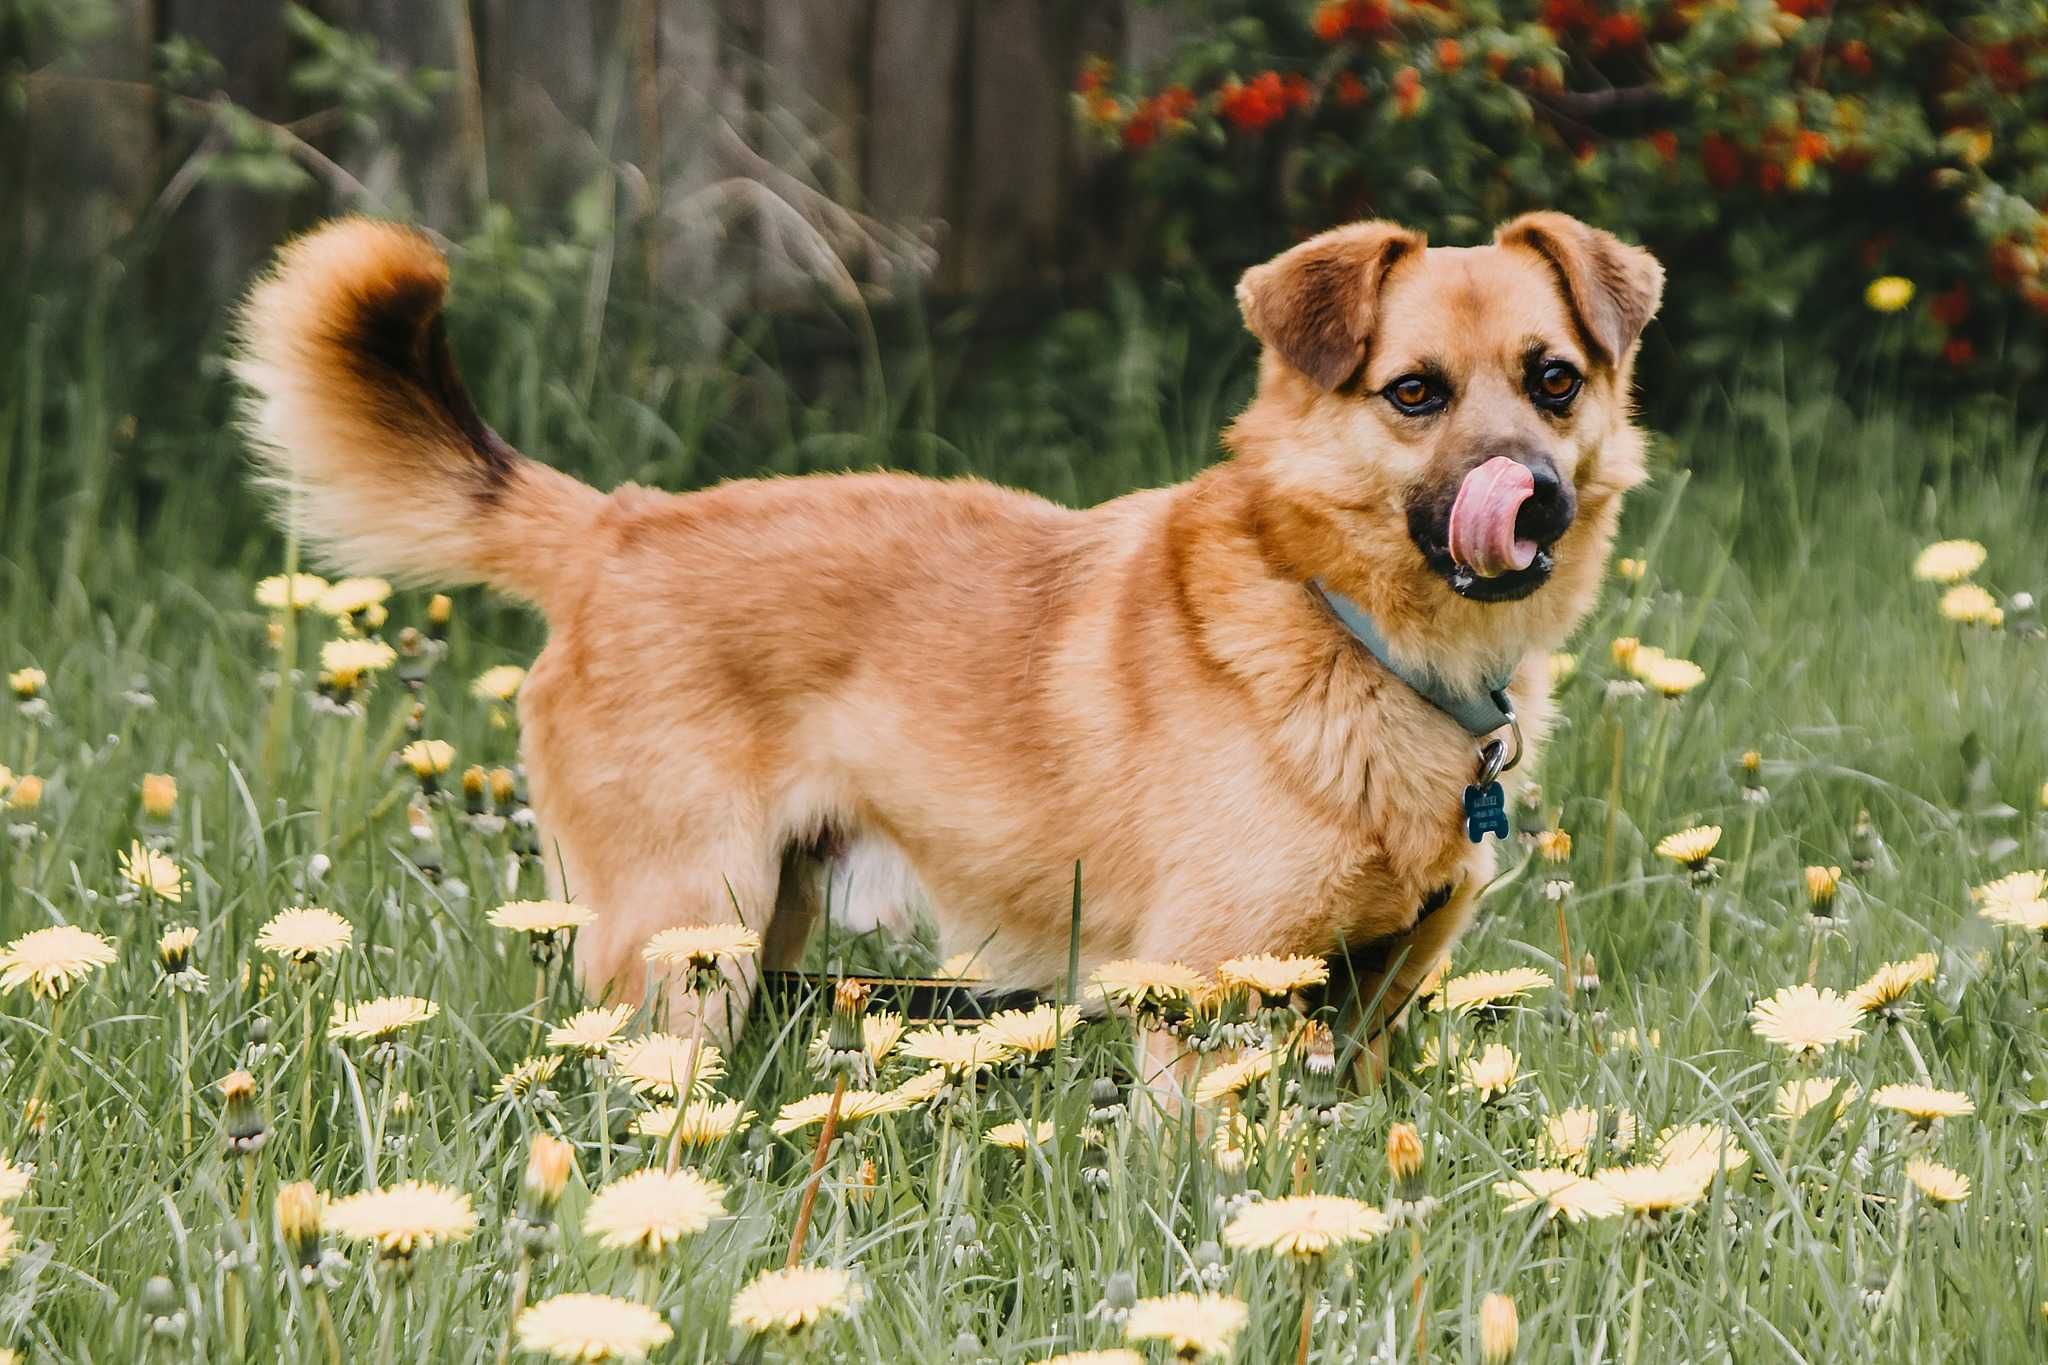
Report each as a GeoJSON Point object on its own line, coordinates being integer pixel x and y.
{"type": "Point", "coordinates": [278, 725]}
{"type": "Point", "coordinates": [520, 1278]}
{"type": "Point", "coordinates": [1706, 936]}
{"type": "Point", "coordinates": [185, 1073]}
{"type": "Point", "coordinates": [306, 1078]}
{"type": "Point", "coordinates": [811, 1183]}
{"type": "Point", "coordinates": [376, 1152]}
{"type": "Point", "coordinates": [1564, 951]}
{"type": "Point", "coordinates": [1913, 1052]}
{"type": "Point", "coordinates": [35, 1093]}
{"type": "Point", "coordinates": [1613, 800]}
{"type": "Point", "coordinates": [1308, 1311]}
{"type": "Point", "coordinates": [1415, 1293]}
{"type": "Point", "coordinates": [1635, 1306]}
{"type": "Point", "coordinates": [325, 1315]}
{"type": "Point", "coordinates": [387, 1321]}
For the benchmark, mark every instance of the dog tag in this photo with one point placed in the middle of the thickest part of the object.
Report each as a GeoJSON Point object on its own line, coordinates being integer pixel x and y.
{"type": "Point", "coordinates": [1486, 811]}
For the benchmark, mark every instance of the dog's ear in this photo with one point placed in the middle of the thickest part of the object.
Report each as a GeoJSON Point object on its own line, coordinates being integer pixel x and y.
{"type": "Point", "coordinates": [1314, 304]}
{"type": "Point", "coordinates": [1613, 288]}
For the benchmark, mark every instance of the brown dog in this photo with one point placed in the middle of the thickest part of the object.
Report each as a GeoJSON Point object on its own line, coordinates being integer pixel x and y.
{"type": "Point", "coordinates": [956, 692]}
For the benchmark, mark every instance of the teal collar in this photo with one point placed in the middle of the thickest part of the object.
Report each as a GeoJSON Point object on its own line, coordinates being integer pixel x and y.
{"type": "Point", "coordinates": [1480, 713]}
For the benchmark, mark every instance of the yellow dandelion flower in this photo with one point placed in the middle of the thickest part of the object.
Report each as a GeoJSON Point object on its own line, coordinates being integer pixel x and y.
{"type": "Point", "coordinates": [501, 683]}
{"type": "Point", "coordinates": [148, 870]}
{"type": "Point", "coordinates": [382, 1019]}
{"type": "Point", "coordinates": [1571, 1135]}
{"type": "Point", "coordinates": [2013, 886]}
{"type": "Point", "coordinates": [1804, 1019]}
{"type": "Point", "coordinates": [1191, 1325]}
{"type": "Point", "coordinates": [854, 1106]}
{"type": "Point", "coordinates": [662, 1064]}
{"type": "Point", "coordinates": [879, 1035]}
{"type": "Point", "coordinates": [924, 1086]}
{"type": "Point", "coordinates": [343, 662]}
{"type": "Point", "coordinates": [1484, 990]}
{"type": "Point", "coordinates": [8, 1245]}
{"type": "Point", "coordinates": [27, 683]}
{"type": "Point", "coordinates": [1115, 1355]}
{"type": "Point", "coordinates": [2018, 900]}
{"type": "Point", "coordinates": [51, 961]}
{"type": "Point", "coordinates": [1712, 1143]}
{"type": "Point", "coordinates": [1562, 667]}
{"type": "Point", "coordinates": [1233, 1078]}
{"type": "Point", "coordinates": [402, 1219]}
{"type": "Point", "coordinates": [704, 1121]}
{"type": "Point", "coordinates": [1491, 1074]}
{"type": "Point", "coordinates": [1822, 885]}
{"type": "Point", "coordinates": [428, 757]}
{"type": "Point", "coordinates": [1554, 845]}
{"type": "Point", "coordinates": [27, 793]}
{"type": "Point", "coordinates": [1631, 569]}
{"type": "Point", "coordinates": [962, 967]}
{"type": "Point", "coordinates": [1888, 294]}
{"type": "Point", "coordinates": [14, 1179]}
{"type": "Point", "coordinates": [538, 918]}
{"type": "Point", "coordinates": [1559, 1194]}
{"type": "Point", "coordinates": [289, 592]}
{"type": "Point", "coordinates": [1948, 562]}
{"type": "Point", "coordinates": [958, 1050]}
{"type": "Point", "coordinates": [1690, 847]}
{"type": "Point", "coordinates": [305, 934]}
{"type": "Point", "coordinates": [350, 596]}
{"type": "Point", "coordinates": [1658, 1187]}
{"type": "Point", "coordinates": [1140, 985]}
{"type": "Point", "coordinates": [1673, 677]}
{"type": "Point", "coordinates": [1969, 605]}
{"type": "Point", "coordinates": [1017, 1136]}
{"type": "Point", "coordinates": [1028, 1035]}
{"type": "Point", "coordinates": [1937, 1182]}
{"type": "Point", "coordinates": [590, 1328]}
{"type": "Point", "coordinates": [1888, 983]}
{"type": "Point", "coordinates": [701, 945]}
{"type": "Point", "coordinates": [1304, 1225]}
{"type": "Point", "coordinates": [591, 1032]}
{"type": "Point", "coordinates": [527, 1076]}
{"type": "Point", "coordinates": [1500, 1329]}
{"type": "Point", "coordinates": [1923, 1103]}
{"type": "Point", "coordinates": [649, 1211]}
{"type": "Point", "coordinates": [1272, 976]}
{"type": "Point", "coordinates": [793, 1300]}
{"type": "Point", "coordinates": [1796, 1099]}
{"type": "Point", "coordinates": [159, 795]}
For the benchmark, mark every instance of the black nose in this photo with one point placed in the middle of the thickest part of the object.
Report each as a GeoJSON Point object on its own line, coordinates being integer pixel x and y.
{"type": "Point", "coordinates": [1550, 507]}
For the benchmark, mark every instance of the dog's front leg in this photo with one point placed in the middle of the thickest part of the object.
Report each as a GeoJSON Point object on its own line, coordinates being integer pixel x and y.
{"type": "Point", "coordinates": [1385, 985]}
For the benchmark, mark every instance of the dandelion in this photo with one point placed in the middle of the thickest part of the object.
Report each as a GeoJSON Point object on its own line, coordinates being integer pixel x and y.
{"type": "Point", "coordinates": [1571, 1136]}
{"type": "Point", "coordinates": [289, 592]}
{"type": "Point", "coordinates": [1657, 1188]}
{"type": "Point", "coordinates": [1191, 1325]}
{"type": "Point", "coordinates": [1939, 1183]}
{"type": "Point", "coordinates": [1692, 849]}
{"type": "Point", "coordinates": [152, 873]}
{"type": "Point", "coordinates": [546, 924]}
{"type": "Point", "coordinates": [958, 1050]}
{"type": "Point", "coordinates": [1671, 677]}
{"type": "Point", "coordinates": [854, 1105]}
{"type": "Point", "coordinates": [1822, 885]}
{"type": "Point", "coordinates": [1969, 605]}
{"type": "Point", "coordinates": [650, 1210]}
{"type": "Point", "coordinates": [1948, 562]}
{"type": "Point", "coordinates": [14, 1179]}
{"type": "Point", "coordinates": [345, 663]}
{"type": "Point", "coordinates": [1754, 792]}
{"type": "Point", "coordinates": [527, 1077]}
{"type": "Point", "coordinates": [380, 1020]}
{"type": "Point", "coordinates": [1029, 1036]}
{"type": "Point", "coordinates": [703, 1122]}
{"type": "Point", "coordinates": [1016, 1136]}
{"type": "Point", "coordinates": [1923, 1104]}
{"type": "Point", "coordinates": [1794, 1100]}
{"type": "Point", "coordinates": [1886, 986]}
{"type": "Point", "coordinates": [301, 1209]}
{"type": "Point", "coordinates": [1500, 1330]}
{"type": "Point", "coordinates": [402, 1219]}
{"type": "Point", "coordinates": [962, 967]}
{"type": "Point", "coordinates": [1562, 668]}
{"type": "Point", "coordinates": [305, 935]}
{"type": "Point", "coordinates": [587, 1328]}
{"type": "Point", "coordinates": [1491, 1074]}
{"type": "Point", "coordinates": [1478, 991]}
{"type": "Point", "coordinates": [1234, 1078]}
{"type": "Point", "coordinates": [794, 1299]}
{"type": "Point", "coordinates": [1148, 989]}
{"type": "Point", "coordinates": [1272, 977]}
{"type": "Point", "coordinates": [879, 1035]}
{"type": "Point", "coordinates": [27, 683]}
{"type": "Point", "coordinates": [353, 598]}
{"type": "Point", "coordinates": [1803, 1020]}
{"type": "Point", "coordinates": [9, 1243]}
{"type": "Point", "coordinates": [500, 683]}
{"type": "Point", "coordinates": [159, 795]}
{"type": "Point", "coordinates": [1559, 1194]}
{"type": "Point", "coordinates": [662, 1064]}
{"type": "Point", "coordinates": [699, 947]}
{"type": "Point", "coordinates": [1116, 1355]}
{"type": "Point", "coordinates": [1702, 1142]}
{"type": "Point", "coordinates": [52, 961]}
{"type": "Point", "coordinates": [591, 1032]}
{"type": "Point", "coordinates": [242, 1121]}
{"type": "Point", "coordinates": [1888, 294]}
{"type": "Point", "coordinates": [1631, 570]}
{"type": "Point", "coordinates": [1304, 1226]}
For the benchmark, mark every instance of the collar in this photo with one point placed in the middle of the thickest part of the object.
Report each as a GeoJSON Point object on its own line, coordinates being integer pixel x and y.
{"type": "Point", "coordinates": [1480, 713]}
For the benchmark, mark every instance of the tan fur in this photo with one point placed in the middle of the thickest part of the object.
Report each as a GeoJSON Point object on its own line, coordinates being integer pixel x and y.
{"type": "Point", "coordinates": [996, 686]}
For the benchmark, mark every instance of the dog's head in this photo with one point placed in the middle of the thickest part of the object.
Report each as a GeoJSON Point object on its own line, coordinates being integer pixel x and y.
{"type": "Point", "coordinates": [1452, 423]}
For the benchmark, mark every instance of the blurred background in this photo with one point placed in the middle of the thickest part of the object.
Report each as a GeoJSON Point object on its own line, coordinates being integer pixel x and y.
{"type": "Point", "coordinates": [704, 238]}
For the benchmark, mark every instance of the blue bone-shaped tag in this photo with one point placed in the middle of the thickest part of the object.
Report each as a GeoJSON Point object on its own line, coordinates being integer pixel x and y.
{"type": "Point", "coordinates": [1486, 812]}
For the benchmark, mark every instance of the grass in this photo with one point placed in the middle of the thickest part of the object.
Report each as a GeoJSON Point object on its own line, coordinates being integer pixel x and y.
{"type": "Point", "coordinates": [1777, 538]}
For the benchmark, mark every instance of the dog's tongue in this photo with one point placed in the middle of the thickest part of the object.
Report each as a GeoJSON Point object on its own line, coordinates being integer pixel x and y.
{"type": "Point", "coordinates": [1483, 518]}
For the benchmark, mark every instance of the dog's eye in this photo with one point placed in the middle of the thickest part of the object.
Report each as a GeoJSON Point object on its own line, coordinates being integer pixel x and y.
{"type": "Point", "coordinates": [1414, 395]}
{"type": "Point", "coordinates": [1554, 384]}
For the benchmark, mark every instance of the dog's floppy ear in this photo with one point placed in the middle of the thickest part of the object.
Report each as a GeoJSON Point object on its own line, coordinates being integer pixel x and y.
{"type": "Point", "coordinates": [1314, 304]}
{"type": "Point", "coordinates": [1613, 288]}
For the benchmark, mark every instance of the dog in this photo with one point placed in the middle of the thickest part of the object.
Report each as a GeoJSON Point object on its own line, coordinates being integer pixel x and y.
{"type": "Point", "coordinates": [957, 692]}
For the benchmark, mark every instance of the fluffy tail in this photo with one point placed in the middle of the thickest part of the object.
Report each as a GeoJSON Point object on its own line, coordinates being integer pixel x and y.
{"type": "Point", "coordinates": [361, 423]}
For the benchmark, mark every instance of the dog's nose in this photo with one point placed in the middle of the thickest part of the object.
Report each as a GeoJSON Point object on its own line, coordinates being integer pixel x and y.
{"type": "Point", "coordinates": [1551, 504]}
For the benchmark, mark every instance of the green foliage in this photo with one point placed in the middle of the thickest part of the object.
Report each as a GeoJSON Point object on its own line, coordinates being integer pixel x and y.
{"type": "Point", "coordinates": [1779, 155]}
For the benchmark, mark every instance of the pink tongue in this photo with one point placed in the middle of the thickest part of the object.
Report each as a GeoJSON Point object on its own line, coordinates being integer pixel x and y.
{"type": "Point", "coordinates": [1483, 518]}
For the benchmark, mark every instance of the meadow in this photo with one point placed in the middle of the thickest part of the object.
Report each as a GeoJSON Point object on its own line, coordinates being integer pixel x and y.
{"type": "Point", "coordinates": [1613, 1136]}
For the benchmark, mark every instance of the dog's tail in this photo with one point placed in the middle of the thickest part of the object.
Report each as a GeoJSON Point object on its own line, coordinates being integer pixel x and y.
{"type": "Point", "coordinates": [364, 428]}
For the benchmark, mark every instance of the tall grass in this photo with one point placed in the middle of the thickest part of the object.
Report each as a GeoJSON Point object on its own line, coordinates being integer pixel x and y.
{"type": "Point", "coordinates": [1777, 534]}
